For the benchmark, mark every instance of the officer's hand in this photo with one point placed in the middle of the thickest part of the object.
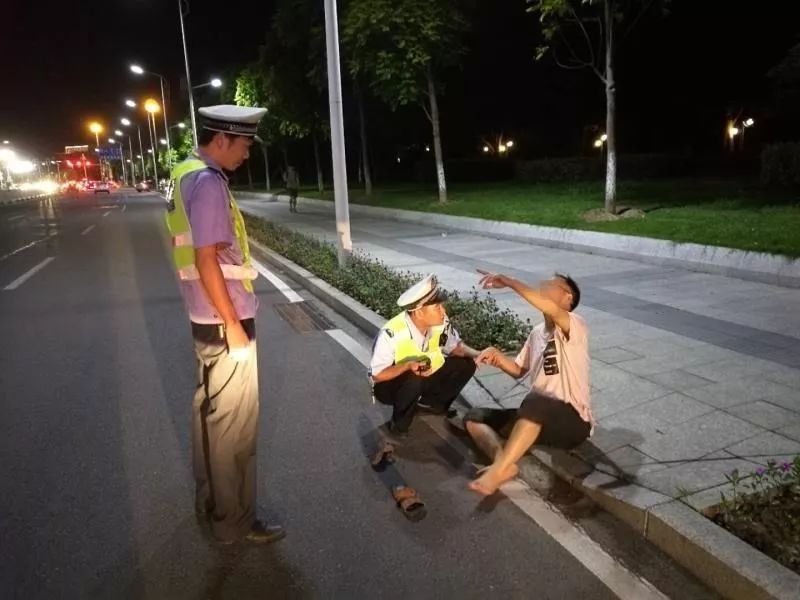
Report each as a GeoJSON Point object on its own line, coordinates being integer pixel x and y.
{"type": "Point", "coordinates": [419, 367]}
{"type": "Point", "coordinates": [238, 342]}
{"type": "Point", "coordinates": [489, 356]}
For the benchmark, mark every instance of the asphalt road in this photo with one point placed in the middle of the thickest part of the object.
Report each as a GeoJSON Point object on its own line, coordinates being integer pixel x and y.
{"type": "Point", "coordinates": [96, 378]}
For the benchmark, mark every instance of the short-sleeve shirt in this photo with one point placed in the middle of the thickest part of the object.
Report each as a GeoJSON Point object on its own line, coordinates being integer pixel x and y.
{"type": "Point", "coordinates": [383, 347]}
{"type": "Point", "coordinates": [558, 366]}
{"type": "Point", "coordinates": [207, 202]}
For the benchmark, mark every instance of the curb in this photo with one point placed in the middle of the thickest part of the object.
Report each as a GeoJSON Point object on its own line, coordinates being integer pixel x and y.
{"type": "Point", "coordinates": [775, 269]}
{"type": "Point", "coordinates": [718, 558]}
{"type": "Point", "coordinates": [23, 199]}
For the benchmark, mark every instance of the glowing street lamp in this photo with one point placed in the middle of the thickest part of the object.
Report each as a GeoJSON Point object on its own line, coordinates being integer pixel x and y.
{"type": "Point", "coordinates": [125, 121]}
{"type": "Point", "coordinates": [130, 103]}
{"type": "Point", "coordinates": [598, 143]}
{"type": "Point", "coordinates": [733, 131]}
{"type": "Point", "coordinates": [510, 144]}
{"type": "Point", "coordinates": [163, 142]}
{"type": "Point", "coordinates": [119, 133]}
{"type": "Point", "coordinates": [486, 149]}
{"type": "Point", "coordinates": [152, 107]}
{"type": "Point", "coordinates": [216, 82]}
{"type": "Point", "coordinates": [749, 122]}
{"type": "Point", "coordinates": [6, 142]}
{"type": "Point", "coordinates": [140, 71]}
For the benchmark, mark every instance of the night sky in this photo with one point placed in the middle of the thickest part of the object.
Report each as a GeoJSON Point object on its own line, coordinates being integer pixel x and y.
{"type": "Point", "coordinates": [66, 62]}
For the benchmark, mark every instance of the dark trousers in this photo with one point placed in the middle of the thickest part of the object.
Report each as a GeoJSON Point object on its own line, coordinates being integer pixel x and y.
{"type": "Point", "coordinates": [438, 390]}
{"type": "Point", "coordinates": [224, 432]}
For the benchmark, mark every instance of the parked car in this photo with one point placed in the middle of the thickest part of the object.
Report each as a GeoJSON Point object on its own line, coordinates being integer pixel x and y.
{"type": "Point", "coordinates": [102, 186]}
{"type": "Point", "coordinates": [143, 186]}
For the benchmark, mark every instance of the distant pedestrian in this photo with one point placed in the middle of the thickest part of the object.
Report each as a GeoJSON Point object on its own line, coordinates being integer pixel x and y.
{"type": "Point", "coordinates": [292, 182]}
{"type": "Point", "coordinates": [212, 260]}
{"type": "Point", "coordinates": [557, 411]}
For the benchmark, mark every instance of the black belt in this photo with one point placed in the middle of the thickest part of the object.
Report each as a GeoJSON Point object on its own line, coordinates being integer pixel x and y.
{"type": "Point", "coordinates": [215, 334]}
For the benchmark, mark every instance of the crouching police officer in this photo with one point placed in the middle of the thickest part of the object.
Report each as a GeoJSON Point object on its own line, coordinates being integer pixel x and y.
{"type": "Point", "coordinates": [418, 359]}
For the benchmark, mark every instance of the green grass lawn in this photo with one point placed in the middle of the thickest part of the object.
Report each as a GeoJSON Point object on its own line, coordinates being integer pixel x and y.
{"type": "Point", "coordinates": [720, 213]}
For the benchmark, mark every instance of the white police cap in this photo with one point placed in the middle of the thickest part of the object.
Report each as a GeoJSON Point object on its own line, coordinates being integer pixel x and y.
{"type": "Point", "coordinates": [421, 294]}
{"type": "Point", "coordinates": [228, 118]}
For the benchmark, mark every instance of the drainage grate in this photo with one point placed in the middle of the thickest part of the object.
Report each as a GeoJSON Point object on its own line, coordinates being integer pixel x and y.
{"type": "Point", "coordinates": [303, 317]}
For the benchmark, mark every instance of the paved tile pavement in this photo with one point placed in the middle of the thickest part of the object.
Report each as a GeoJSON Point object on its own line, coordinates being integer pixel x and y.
{"type": "Point", "coordinates": [693, 374]}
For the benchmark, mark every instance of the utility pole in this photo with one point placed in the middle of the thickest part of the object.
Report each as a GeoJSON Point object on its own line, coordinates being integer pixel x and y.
{"type": "Point", "coordinates": [341, 202]}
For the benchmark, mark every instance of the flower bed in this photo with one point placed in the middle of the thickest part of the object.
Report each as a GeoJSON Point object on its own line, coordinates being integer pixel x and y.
{"type": "Point", "coordinates": [764, 511]}
{"type": "Point", "coordinates": [477, 317]}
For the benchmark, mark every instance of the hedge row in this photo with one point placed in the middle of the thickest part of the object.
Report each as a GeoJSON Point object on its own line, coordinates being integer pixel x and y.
{"type": "Point", "coordinates": [780, 164]}
{"type": "Point", "coordinates": [477, 317]}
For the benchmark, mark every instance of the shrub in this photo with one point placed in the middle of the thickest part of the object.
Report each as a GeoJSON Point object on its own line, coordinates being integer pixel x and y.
{"type": "Point", "coordinates": [764, 510]}
{"type": "Point", "coordinates": [477, 317]}
{"type": "Point", "coordinates": [780, 165]}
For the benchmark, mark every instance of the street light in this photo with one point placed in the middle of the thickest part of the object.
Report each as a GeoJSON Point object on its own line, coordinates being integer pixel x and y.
{"type": "Point", "coordinates": [140, 71]}
{"type": "Point", "coordinates": [130, 103]}
{"type": "Point", "coordinates": [510, 143]}
{"type": "Point", "coordinates": [188, 75]}
{"type": "Point", "coordinates": [97, 129]}
{"type": "Point", "coordinates": [486, 149]}
{"type": "Point", "coordinates": [121, 158]}
{"type": "Point", "coordinates": [163, 142]}
{"type": "Point", "coordinates": [6, 142]}
{"type": "Point", "coordinates": [127, 122]}
{"type": "Point", "coordinates": [152, 107]}
{"type": "Point", "coordinates": [216, 82]}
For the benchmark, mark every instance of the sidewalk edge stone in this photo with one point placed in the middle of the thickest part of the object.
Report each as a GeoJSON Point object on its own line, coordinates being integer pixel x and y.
{"type": "Point", "coordinates": [715, 556]}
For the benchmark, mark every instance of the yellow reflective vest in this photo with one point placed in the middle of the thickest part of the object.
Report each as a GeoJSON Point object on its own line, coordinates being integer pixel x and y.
{"type": "Point", "coordinates": [406, 349]}
{"type": "Point", "coordinates": [181, 231]}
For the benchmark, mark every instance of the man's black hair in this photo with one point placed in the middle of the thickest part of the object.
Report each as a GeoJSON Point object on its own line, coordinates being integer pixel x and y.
{"type": "Point", "coordinates": [576, 291]}
{"type": "Point", "coordinates": [204, 136]}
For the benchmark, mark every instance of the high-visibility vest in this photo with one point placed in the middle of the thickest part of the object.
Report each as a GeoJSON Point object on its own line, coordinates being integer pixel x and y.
{"type": "Point", "coordinates": [406, 349]}
{"type": "Point", "coordinates": [181, 231]}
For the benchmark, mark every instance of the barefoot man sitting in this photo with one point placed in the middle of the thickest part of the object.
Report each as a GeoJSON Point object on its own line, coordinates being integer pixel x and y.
{"type": "Point", "coordinates": [557, 411]}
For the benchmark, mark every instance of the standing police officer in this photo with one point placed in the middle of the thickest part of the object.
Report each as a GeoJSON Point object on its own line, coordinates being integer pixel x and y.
{"type": "Point", "coordinates": [212, 260]}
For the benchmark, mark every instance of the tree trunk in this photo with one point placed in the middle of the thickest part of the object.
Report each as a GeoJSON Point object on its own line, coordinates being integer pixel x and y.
{"type": "Point", "coordinates": [611, 113]}
{"type": "Point", "coordinates": [364, 154]}
{"type": "Point", "coordinates": [320, 182]}
{"type": "Point", "coordinates": [249, 176]}
{"type": "Point", "coordinates": [265, 152]}
{"type": "Point", "coordinates": [437, 140]}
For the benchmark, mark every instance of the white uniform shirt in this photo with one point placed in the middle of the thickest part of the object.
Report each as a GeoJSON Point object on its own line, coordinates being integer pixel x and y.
{"type": "Point", "coordinates": [558, 366]}
{"type": "Point", "coordinates": [383, 347]}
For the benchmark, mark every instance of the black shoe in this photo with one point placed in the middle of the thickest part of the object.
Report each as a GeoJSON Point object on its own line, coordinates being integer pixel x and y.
{"type": "Point", "coordinates": [265, 534]}
{"type": "Point", "coordinates": [392, 434]}
{"type": "Point", "coordinates": [435, 410]}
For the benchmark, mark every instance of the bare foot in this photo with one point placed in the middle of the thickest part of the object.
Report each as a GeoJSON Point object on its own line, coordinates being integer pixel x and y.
{"type": "Point", "coordinates": [488, 482]}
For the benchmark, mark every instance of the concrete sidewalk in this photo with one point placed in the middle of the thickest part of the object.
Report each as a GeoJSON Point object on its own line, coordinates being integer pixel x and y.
{"type": "Point", "coordinates": [693, 375]}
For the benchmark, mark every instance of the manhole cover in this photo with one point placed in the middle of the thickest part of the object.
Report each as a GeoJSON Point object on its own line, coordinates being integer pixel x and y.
{"type": "Point", "coordinates": [303, 317]}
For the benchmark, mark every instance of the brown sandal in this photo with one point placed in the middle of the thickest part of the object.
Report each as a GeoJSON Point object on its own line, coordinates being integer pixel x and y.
{"type": "Point", "coordinates": [407, 501]}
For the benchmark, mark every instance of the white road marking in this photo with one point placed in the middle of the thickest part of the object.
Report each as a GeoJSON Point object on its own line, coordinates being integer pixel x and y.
{"type": "Point", "coordinates": [124, 206]}
{"type": "Point", "coordinates": [624, 583]}
{"type": "Point", "coordinates": [284, 289]}
{"type": "Point", "coordinates": [30, 273]}
{"type": "Point", "coordinates": [108, 212]}
{"type": "Point", "coordinates": [87, 230]}
{"type": "Point", "coordinates": [16, 217]}
{"type": "Point", "coordinates": [26, 246]}
{"type": "Point", "coordinates": [360, 353]}
{"type": "Point", "coordinates": [589, 553]}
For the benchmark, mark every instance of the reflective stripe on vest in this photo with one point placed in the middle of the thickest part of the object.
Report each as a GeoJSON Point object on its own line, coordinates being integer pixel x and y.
{"type": "Point", "coordinates": [406, 349]}
{"type": "Point", "coordinates": [181, 231]}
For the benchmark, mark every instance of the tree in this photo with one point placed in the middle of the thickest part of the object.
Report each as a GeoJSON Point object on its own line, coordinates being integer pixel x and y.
{"type": "Point", "coordinates": [399, 48]}
{"type": "Point", "coordinates": [292, 63]}
{"type": "Point", "coordinates": [585, 31]}
{"type": "Point", "coordinates": [250, 90]}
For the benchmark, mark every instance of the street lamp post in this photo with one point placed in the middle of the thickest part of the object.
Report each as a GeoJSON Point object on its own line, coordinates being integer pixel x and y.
{"type": "Point", "coordinates": [131, 104]}
{"type": "Point", "coordinates": [140, 71]}
{"type": "Point", "coordinates": [130, 150]}
{"type": "Point", "coordinates": [112, 141]}
{"type": "Point", "coordinates": [341, 205]}
{"type": "Point", "coordinates": [97, 129]}
{"type": "Point", "coordinates": [151, 106]}
{"type": "Point", "coordinates": [188, 75]}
